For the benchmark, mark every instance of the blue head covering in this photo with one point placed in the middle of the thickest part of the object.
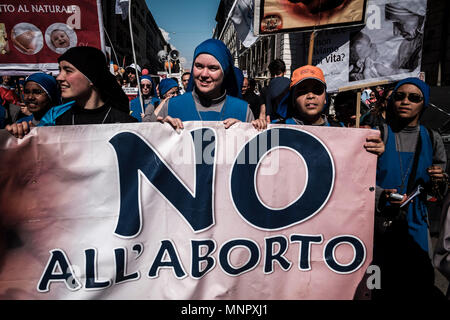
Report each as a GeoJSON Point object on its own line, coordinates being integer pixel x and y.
{"type": "Point", "coordinates": [219, 50]}
{"type": "Point", "coordinates": [48, 84]}
{"type": "Point", "coordinates": [153, 89]}
{"type": "Point", "coordinates": [165, 85]}
{"type": "Point", "coordinates": [419, 84]}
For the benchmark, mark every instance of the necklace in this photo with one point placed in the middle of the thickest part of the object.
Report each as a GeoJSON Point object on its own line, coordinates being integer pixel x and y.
{"type": "Point", "coordinates": [73, 117]}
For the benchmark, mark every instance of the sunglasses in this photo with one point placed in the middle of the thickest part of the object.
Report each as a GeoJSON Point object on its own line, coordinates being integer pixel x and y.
{"type": "Point", "coordinates": [317, 90]}
{"type": "Point", "coordinates": [146, 85]}
{"type": "Point", "coordinates": [413, 97]}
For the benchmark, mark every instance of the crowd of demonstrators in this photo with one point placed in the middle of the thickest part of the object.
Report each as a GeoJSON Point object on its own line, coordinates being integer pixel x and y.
{"type": "Point", "coordinates": [409, 155]}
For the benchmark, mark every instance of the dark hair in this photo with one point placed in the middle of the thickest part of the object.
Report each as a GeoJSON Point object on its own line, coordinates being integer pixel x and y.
{"type": "Point", "coordinates": [345, 106]}
{"type": "Point", "coordinates": [186, 73]}
{"type": "Point", "coordinates": [277, 67]}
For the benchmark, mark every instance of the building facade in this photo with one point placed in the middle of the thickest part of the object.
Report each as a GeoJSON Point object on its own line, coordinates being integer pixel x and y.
{"type": "Point", "coordinates": [148, 39]}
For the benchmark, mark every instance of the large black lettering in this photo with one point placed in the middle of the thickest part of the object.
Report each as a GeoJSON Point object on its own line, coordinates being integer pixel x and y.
{"type": "Point", "coordinates": [225, 252]}
{"type": "Point", "coordinates": [197, 259]}
{"type": "Point", "coordinates": [305, 249]}
{"type": "Point", "coordinates": [173, 263]}
{"type": "Point", "coordinates": [358, 259]}
{"type": "Point", "coordinates": [91, 272]}
{"type": "Point", "coordinates": [121, 267]}
{"type": "Point", "coordinates": [134, 155]}
{"type": "Point", "coordinates": [58, 260]}
{"type": "Point", "coordinates": [318, 189]}
{"type": "Point", "coordinates": [270, 256]}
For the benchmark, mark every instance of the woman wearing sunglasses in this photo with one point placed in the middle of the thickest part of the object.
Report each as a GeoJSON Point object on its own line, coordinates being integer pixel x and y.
{"type": "Point", "coordinates": [414, 157]}
{"type": "Point", "coordinates": [149, 97]}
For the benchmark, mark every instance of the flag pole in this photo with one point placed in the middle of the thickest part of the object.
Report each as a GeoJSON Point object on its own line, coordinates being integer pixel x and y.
{"type": "Point", "coordinates": [228, 19]}
{"type": "Point", "coordinates": [112, 46]}
{"type": "Point", "coordinates": [311, 47]}
{"type": "Point", "coordinates": [134, 57]}
{"type": "Point", "coordinates": [358, 108]}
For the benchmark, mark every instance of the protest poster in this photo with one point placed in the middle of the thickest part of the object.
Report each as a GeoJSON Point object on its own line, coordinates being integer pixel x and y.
{"type": "Point", "coordinates": [33, 34]}
{"type": "Point", "coordinates": [277, 16]}
{"type": "Point", "coordinates": [388, 48]}
{"type": "Point", "coordinates": [139, 211]}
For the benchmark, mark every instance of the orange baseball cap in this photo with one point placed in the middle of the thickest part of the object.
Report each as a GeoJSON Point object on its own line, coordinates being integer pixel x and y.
{"type": "Point", "coordinates": [307, 72]}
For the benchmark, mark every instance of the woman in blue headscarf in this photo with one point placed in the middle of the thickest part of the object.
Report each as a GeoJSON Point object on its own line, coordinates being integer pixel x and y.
{"type": "Point", "coordinates": [212, 92]}
{"type": "Point", "coordinates": [414, 158]}
{"type": "Point", "coordinates": [41, 92]}
{"type": "Point", "coordinates": [168, 88]}
{"type": "Point", "coordinates": [149, 96]}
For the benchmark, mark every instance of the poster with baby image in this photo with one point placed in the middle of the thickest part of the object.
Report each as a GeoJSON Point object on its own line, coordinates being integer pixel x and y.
{"type": "Point", "coordinates": [300, 15]}
{"type": "Point", "coordinates": [386, 49]}
{"type": "Point", "coordinates": [33, 34]}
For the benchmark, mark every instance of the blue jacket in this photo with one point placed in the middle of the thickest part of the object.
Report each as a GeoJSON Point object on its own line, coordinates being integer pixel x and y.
{"type": "Point", "coordinates": [135, 107]}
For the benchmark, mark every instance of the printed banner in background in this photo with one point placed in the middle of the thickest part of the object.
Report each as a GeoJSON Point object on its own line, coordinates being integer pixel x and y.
{"type": "Point", "coordinates": [388, 48]}
{"type": "Point", "coordinates": [139, 211]}
{"type": "Point", "coordinates": [298, 15]}
{"type": "Point", "coordinates": [33, 34]}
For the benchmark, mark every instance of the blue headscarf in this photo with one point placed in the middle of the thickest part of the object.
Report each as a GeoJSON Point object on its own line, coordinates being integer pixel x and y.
{"type": "Point", "coordinates": [153, 89]}
{"type": "Point", "coordinates": [165, 85]}
{"type": "Point", "coordinates": [419, 84]}
{"type": "Point", "coordinates": [218, 50]}
{"type": "Point", "coordinates": [48, 84]}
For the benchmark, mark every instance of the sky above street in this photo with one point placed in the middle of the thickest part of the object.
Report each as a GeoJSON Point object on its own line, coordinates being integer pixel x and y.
{"type": "Point", "coordinates": [187, 22]}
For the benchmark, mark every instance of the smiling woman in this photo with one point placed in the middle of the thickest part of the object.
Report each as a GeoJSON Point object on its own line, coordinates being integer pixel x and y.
{"type": "Point", "coordinates": [94, 94]}
{"type": "Point", "coordinates": [212, 92]}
